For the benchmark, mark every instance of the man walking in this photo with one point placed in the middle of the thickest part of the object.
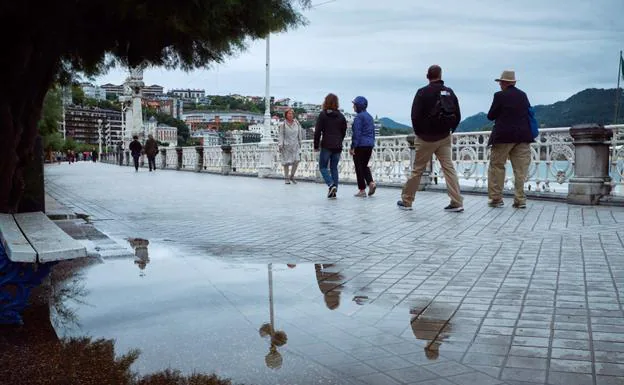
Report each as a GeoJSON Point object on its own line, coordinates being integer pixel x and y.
{"type": "Point", "coordinates": [510, 139]}
{"type": "Point", "coordinates": [151, 150]}
{"type": "Point", "coordinates": [135, 149]}
{"type": "Point", "coordinates": [435, 115]}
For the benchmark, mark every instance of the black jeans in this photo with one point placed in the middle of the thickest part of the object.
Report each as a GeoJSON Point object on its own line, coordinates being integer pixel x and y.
{"type": "Point", "coordinates": [362, 171]}
{"type": "Point", "coordinates": [136, 161]}
{"type": "Point", "coordinates": [151, 160]}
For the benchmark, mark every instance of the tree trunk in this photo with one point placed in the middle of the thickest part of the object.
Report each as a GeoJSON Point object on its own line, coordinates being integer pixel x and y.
{"type": "Point", "coordinates": [30, 72]}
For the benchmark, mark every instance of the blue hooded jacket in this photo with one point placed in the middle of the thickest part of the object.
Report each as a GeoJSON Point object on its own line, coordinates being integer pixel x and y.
{"type": "Point", "coordinates": [363, 125]}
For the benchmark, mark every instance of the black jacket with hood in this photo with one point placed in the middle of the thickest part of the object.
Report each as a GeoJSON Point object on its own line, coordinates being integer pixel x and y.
{"type": "Point", "coordinates": [330, 130]}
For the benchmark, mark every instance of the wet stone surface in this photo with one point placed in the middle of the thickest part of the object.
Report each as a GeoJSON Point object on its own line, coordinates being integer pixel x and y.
{"type": "Point", "coordinates": [362, 293]}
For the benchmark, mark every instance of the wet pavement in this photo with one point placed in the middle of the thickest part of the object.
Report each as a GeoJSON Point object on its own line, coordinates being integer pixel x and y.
{"type": "Point", "coordinates": [362, 293]}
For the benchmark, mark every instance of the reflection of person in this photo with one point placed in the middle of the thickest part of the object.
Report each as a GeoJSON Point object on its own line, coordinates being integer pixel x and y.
{"type": "Point", "coordinates": [330, 284]}
{"type": "Point", "coordinates": [141, 253]}
{"type": "Point", "coordinates": [289, 140]}
{"type": "Point", "coordinates": [430, 330]}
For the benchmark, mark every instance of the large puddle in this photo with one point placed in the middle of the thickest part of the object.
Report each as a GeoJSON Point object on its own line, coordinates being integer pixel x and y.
{"type": "Point", "coordinates": [252, 323]}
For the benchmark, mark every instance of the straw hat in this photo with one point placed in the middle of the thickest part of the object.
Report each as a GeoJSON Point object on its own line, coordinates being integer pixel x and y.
{"type": "Point", "coordinates": [507, 76]}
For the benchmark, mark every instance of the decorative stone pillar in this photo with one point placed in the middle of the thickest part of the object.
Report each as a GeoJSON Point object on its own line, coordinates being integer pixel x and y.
{"type": "Point", "coordinates": [226, 159]}
{"type": "Point", "coordinates": [163, 159]}
{"type": "Point", "coordinates": [591, 179]}
{"type": "Point", "coordinates": [179, 155]}
{"type": "Point", "coordinates": [200, 158]}
{"type": "Point", "coordinates": [425, 179]}
{"type": "Point", "coordinates": [265, 168]}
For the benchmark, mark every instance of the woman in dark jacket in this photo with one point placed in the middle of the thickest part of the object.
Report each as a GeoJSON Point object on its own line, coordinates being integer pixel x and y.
{"type": "Point", "coordinates": [330, 131]}
{"type": "Point", "coordinates": [362, 144]}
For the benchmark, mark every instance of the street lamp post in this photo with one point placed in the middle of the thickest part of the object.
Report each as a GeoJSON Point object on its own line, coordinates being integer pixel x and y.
{"type": "Point", "coordinates": [99, 122]}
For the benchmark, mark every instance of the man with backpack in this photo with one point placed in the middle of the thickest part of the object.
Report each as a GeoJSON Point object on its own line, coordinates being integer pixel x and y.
{"type": "Point", "coordinates": [435, 116]}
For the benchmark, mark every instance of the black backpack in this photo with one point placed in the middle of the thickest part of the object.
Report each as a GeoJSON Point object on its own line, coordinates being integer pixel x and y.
{"type": "Point", "coordinates": [443, 115]}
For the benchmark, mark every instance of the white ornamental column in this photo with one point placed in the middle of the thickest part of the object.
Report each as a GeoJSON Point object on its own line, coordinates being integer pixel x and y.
{"type": "Point", "coordinates": [266, 146]}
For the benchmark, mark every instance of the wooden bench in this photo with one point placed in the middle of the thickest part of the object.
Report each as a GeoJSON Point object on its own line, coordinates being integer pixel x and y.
{"type": "Point", "coordinates": [33, 237]}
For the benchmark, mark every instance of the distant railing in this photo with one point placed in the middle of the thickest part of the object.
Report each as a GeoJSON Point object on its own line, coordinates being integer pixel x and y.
{"type": "Point", "coordinates": [552, 160]}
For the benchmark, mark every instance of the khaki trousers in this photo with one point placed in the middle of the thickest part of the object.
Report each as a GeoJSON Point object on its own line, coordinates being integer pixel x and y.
{"type": "Point", "coordinates": [424, 151]}
{"type": "Point", "coordinates": [520, 156]}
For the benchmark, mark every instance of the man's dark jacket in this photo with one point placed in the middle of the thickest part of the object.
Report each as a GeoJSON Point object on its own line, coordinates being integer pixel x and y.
{"type": "Point", "coordinates": [425, 127]}
{"type": "Point", "coordinates": [135, 148]}
{"type": "Point", "coordinates": [510, 110]}
{"type": "Point", "coordinates": [331, 125]}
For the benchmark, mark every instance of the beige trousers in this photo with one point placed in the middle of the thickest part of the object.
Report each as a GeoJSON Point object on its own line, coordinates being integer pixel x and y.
{"type": "Point", "coordinates": [424, 151]}
{"type": "Point", "coordinates": [520, 156]}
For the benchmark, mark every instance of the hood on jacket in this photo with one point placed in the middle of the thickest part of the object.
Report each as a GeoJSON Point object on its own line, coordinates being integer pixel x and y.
{"type": "Point", "coordinates": [360, 103]}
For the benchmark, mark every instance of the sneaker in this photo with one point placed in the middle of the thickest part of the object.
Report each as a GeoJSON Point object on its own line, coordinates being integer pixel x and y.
{"type": "Point", "coordinates": [287, 181]}
{"type": "Point", "coordinates": [496, 203]}
{"type": "Point", "coordinates": [292, 179]}
{"type": "Point", "coordinates": [403, 206]}
{"type": "Point", "coordinates": [371, 188]}
{"type": "Point", "coordinates": [454, 209]}
{"type": "Point", "coordinates": [519, 205]}
{"type": "Point", "coordinates": [360, 194]}
{"type": "Point", "coordinates": [331, 193]}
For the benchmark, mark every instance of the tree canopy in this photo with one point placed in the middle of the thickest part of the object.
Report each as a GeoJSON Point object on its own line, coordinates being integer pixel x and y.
{"type": "Point", "coordinates": [47, 41]}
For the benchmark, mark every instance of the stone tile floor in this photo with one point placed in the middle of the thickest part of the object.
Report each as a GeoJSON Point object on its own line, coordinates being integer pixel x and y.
{"type": "Point", "coordinates": [377, 296]}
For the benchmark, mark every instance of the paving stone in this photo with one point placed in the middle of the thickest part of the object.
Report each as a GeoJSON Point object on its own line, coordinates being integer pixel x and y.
{"type": "Point", "coordinates": [562, 378]}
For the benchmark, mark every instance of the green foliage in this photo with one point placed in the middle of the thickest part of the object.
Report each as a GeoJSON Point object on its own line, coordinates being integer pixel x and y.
{"type": "Point", "coordinates": [228, 103]}
{"type": "Point", "coordinates": [52, 112]}
{"type": "Point", "coordinates": [78, 96]}
{"type": "Point", "coordinates": [70, 145]}
{"type": "Point", "coordinates": [106, 104]}
{"type": "Point", "coordinates": [53, 142]}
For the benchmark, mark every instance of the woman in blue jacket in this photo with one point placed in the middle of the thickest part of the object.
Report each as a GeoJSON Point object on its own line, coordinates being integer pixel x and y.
{"type": "Point", "coordinates": [362, 144]}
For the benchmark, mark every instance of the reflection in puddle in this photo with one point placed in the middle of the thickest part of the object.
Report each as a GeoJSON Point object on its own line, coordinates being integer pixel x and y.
{"type": "Point", "coordinates": [140, 251]}
{"type": "Point", "coordinates": [199, 314]}
{"type": "Point", "coordinates": [427, 326]}
{"type": "Point", "coordinates": [330, 283]}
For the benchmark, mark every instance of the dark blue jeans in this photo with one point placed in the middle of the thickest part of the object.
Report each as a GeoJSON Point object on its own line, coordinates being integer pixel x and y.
{"type": "Point", "coordinates": [328, 165]}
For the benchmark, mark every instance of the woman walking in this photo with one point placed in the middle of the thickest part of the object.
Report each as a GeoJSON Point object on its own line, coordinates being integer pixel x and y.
{"type": "Point", "coordinates": [362, 144]}
{"type": "Point", "coordinates": [289, 141]}
{"type": "Point", "coordinates": [330, 130]}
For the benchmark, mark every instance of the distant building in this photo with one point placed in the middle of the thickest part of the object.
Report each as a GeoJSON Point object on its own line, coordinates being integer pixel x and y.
{"type": "Point", "coordinates": [208, 138]}
{"type": "Point", "coordinates": [81, 124]}
{"type": "Point", "coordinates": [187, 93]}
{"type": "Point", "coordinates": [167, 134]}
{"type": "Point", "coordinates": [113, 89]}
{"type": "Point", "coordinates": [197, 120]}
{"type": "Point", "coordinates": [153, 90]}
{"type": "Point", "coordinates": [241, 137]}
{"type": "Point", "coordinates": [283, 102]}
{"type": "Point", "coordinates": [92, 91]}
{"type": "Point", "coordinates": [309, 107]}
{"type": "Point", "coordinates": [166, 105]}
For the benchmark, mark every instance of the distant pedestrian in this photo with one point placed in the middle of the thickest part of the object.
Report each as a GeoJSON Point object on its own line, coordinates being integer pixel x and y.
{"type": "Point", "coordinates": [151, 150]}
{"type": "Point", "coordinates": [510, 139]}
{"type": "Point", "coordinates": [94, 156]}
{"type": "Point", "coordinates": [362, 144]}
{"type": "Point", "coordinates": [329, 133]}
{"type": "Point", "coordinates": [435, 115]}
{"type": "Point", "coordinates": [135, 149]}
{"type": "Point", "coordinates": [289, 142]}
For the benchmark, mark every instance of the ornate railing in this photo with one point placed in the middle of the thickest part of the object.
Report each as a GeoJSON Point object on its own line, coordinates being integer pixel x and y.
{"type": "Point", "coordinates": [552, 160]}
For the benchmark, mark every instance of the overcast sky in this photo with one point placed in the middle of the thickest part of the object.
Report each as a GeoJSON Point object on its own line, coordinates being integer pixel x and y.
{"type": "Point", "coordinates": [381, 50]}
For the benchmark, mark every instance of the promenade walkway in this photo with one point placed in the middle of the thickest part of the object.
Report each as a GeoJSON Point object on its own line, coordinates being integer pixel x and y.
{"type": "Point", "coordinates": [366, 293]}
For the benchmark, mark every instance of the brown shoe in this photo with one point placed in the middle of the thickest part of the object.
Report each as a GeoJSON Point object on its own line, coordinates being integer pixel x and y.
{"type": "Point", "coordinates": [372, 187]}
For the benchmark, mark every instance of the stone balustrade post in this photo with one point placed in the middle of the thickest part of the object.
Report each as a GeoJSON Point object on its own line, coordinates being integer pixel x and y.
{"type": "Point", "coordinates": [163, 159]}
{"type": "Point", "coordinates": [226, 160]}
{"type": "Point", "coordinates": [200, 158]}
{"type": "Point", "coordinates": [425, 179]}
{"type": "Point", "coordinates": [591, 179]}
{"type": "Point", "coordinates": [179, 156]}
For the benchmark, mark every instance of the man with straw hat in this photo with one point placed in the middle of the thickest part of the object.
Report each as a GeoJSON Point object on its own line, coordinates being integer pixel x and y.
{"type": "Point", "coordinates": [510, 139]}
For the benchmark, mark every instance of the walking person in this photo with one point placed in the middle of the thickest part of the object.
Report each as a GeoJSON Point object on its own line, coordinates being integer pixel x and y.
{"type": "Point", "coordinates": [329, 133]}
{"type": "Point", "coordinates": [135, 149]}
{"type": "Point", "coordinates": [435, 116]}
{"type": "Point", "coordinates": [151, 150]}
{"type": "Point", "coordinates": [510, 139]}
{"type": "Point", "coordinates": [289, 142]}
{"type": "Point", "coordinates": [362, 144]}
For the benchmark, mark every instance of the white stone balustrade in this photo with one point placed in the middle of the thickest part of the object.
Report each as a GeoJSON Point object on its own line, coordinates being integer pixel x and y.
{"type": "Point", "coordinates": [552, 163]}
